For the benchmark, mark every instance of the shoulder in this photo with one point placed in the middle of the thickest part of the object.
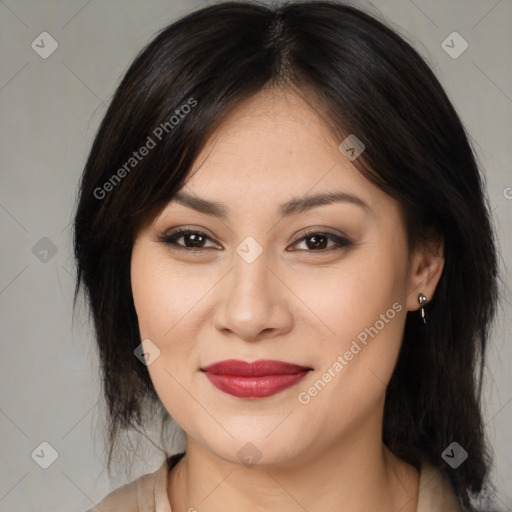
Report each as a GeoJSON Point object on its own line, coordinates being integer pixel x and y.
{"type": "Point", "coordinates": [436, 493]}
{"type": "Point", "coordinates": [147, 493]}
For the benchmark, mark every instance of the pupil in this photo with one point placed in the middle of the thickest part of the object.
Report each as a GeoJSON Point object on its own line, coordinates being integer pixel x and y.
{"type": "Point", "coordinates": [316, 244]}
{"type": "Point", "coordinates": [194, 238]}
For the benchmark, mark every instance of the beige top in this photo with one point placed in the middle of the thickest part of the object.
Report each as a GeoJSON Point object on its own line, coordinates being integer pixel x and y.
{"type": "Point", "coordinates": [149, 493]}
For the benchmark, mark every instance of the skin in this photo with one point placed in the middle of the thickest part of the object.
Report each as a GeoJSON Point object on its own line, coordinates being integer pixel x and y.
{"type": "Point", "coordinates": [295, 303]}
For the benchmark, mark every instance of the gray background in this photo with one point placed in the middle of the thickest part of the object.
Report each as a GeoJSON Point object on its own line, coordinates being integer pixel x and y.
{"type": "Point", "coordinates": [51, 108]}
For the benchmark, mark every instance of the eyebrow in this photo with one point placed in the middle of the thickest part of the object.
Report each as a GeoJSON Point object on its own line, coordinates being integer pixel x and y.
{"type": "Point", "coordinates": [292, 207]}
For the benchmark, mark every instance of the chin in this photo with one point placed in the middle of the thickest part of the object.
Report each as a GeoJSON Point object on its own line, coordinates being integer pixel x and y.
{"type": "Point", "coordinates": [259, 449]}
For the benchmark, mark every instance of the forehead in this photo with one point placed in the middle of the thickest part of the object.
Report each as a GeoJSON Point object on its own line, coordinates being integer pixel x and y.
{"type": "Point", "coordinates": [275, 142]}
{"type": "Point", "coordinates": [272, 151]}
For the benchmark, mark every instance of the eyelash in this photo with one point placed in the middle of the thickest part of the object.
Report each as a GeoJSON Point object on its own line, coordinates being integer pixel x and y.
{"type": "Point", "coordinates": [170, 240]}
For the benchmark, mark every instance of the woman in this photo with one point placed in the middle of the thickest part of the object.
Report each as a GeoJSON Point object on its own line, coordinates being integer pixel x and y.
{"type": "Point", "coordinates": [286, 247]}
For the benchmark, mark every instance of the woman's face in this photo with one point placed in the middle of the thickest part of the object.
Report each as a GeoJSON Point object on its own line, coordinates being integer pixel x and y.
{"type": "Point", "coordinates": [321, 285]}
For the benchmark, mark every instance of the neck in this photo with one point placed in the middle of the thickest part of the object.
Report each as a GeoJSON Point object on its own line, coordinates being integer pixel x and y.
{"type": "Point", "coordinates": [354, 475]}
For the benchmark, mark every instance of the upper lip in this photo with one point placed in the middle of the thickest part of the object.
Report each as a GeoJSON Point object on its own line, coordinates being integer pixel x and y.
{"type": "Point", "coordinates": [237, 367]}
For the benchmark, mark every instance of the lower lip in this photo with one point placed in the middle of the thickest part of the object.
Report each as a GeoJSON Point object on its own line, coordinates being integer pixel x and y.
{"type": "Point", "coordinates": [254, 387]}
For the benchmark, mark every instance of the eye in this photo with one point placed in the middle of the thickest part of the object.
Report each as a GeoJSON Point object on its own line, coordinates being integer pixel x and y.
{"type": "Point", "coordinates": [315, 241]}
{"type": "Point", "coordinates": [192, 240]}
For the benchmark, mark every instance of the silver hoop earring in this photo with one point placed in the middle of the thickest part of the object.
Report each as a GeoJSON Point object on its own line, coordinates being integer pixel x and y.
{"type": "Point", "coordinates": [422, 300]}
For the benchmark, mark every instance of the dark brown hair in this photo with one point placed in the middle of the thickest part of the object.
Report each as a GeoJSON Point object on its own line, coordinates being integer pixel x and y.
{"type": "Point", "coordinates": [362, 78]}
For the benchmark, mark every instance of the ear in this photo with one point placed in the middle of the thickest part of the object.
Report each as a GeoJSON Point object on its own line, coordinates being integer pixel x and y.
{"type": "Point", "coordinates": [425, 269]}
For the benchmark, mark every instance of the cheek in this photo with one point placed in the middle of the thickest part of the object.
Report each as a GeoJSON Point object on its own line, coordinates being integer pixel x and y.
{"type": "Point", "coordinates": [365, 307]}
{"type": "Point", "coordinates": [164, 302]}
{"type": "Point", "coordinates": [165, 294]}
{"type": "Point", "coordinates": [352, 296]}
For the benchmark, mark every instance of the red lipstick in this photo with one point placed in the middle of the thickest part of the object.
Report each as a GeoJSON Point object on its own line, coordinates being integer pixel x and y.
{"type": "Point", "coordinates": [254, 380]}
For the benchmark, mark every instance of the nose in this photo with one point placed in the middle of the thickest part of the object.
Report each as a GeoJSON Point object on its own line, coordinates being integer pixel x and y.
{"type": "Point", "coordinates": [254, 303]}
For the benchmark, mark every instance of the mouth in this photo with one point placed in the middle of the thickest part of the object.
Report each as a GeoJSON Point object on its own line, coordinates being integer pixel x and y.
{"type": "Point", "coordinates": [258, 379]}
